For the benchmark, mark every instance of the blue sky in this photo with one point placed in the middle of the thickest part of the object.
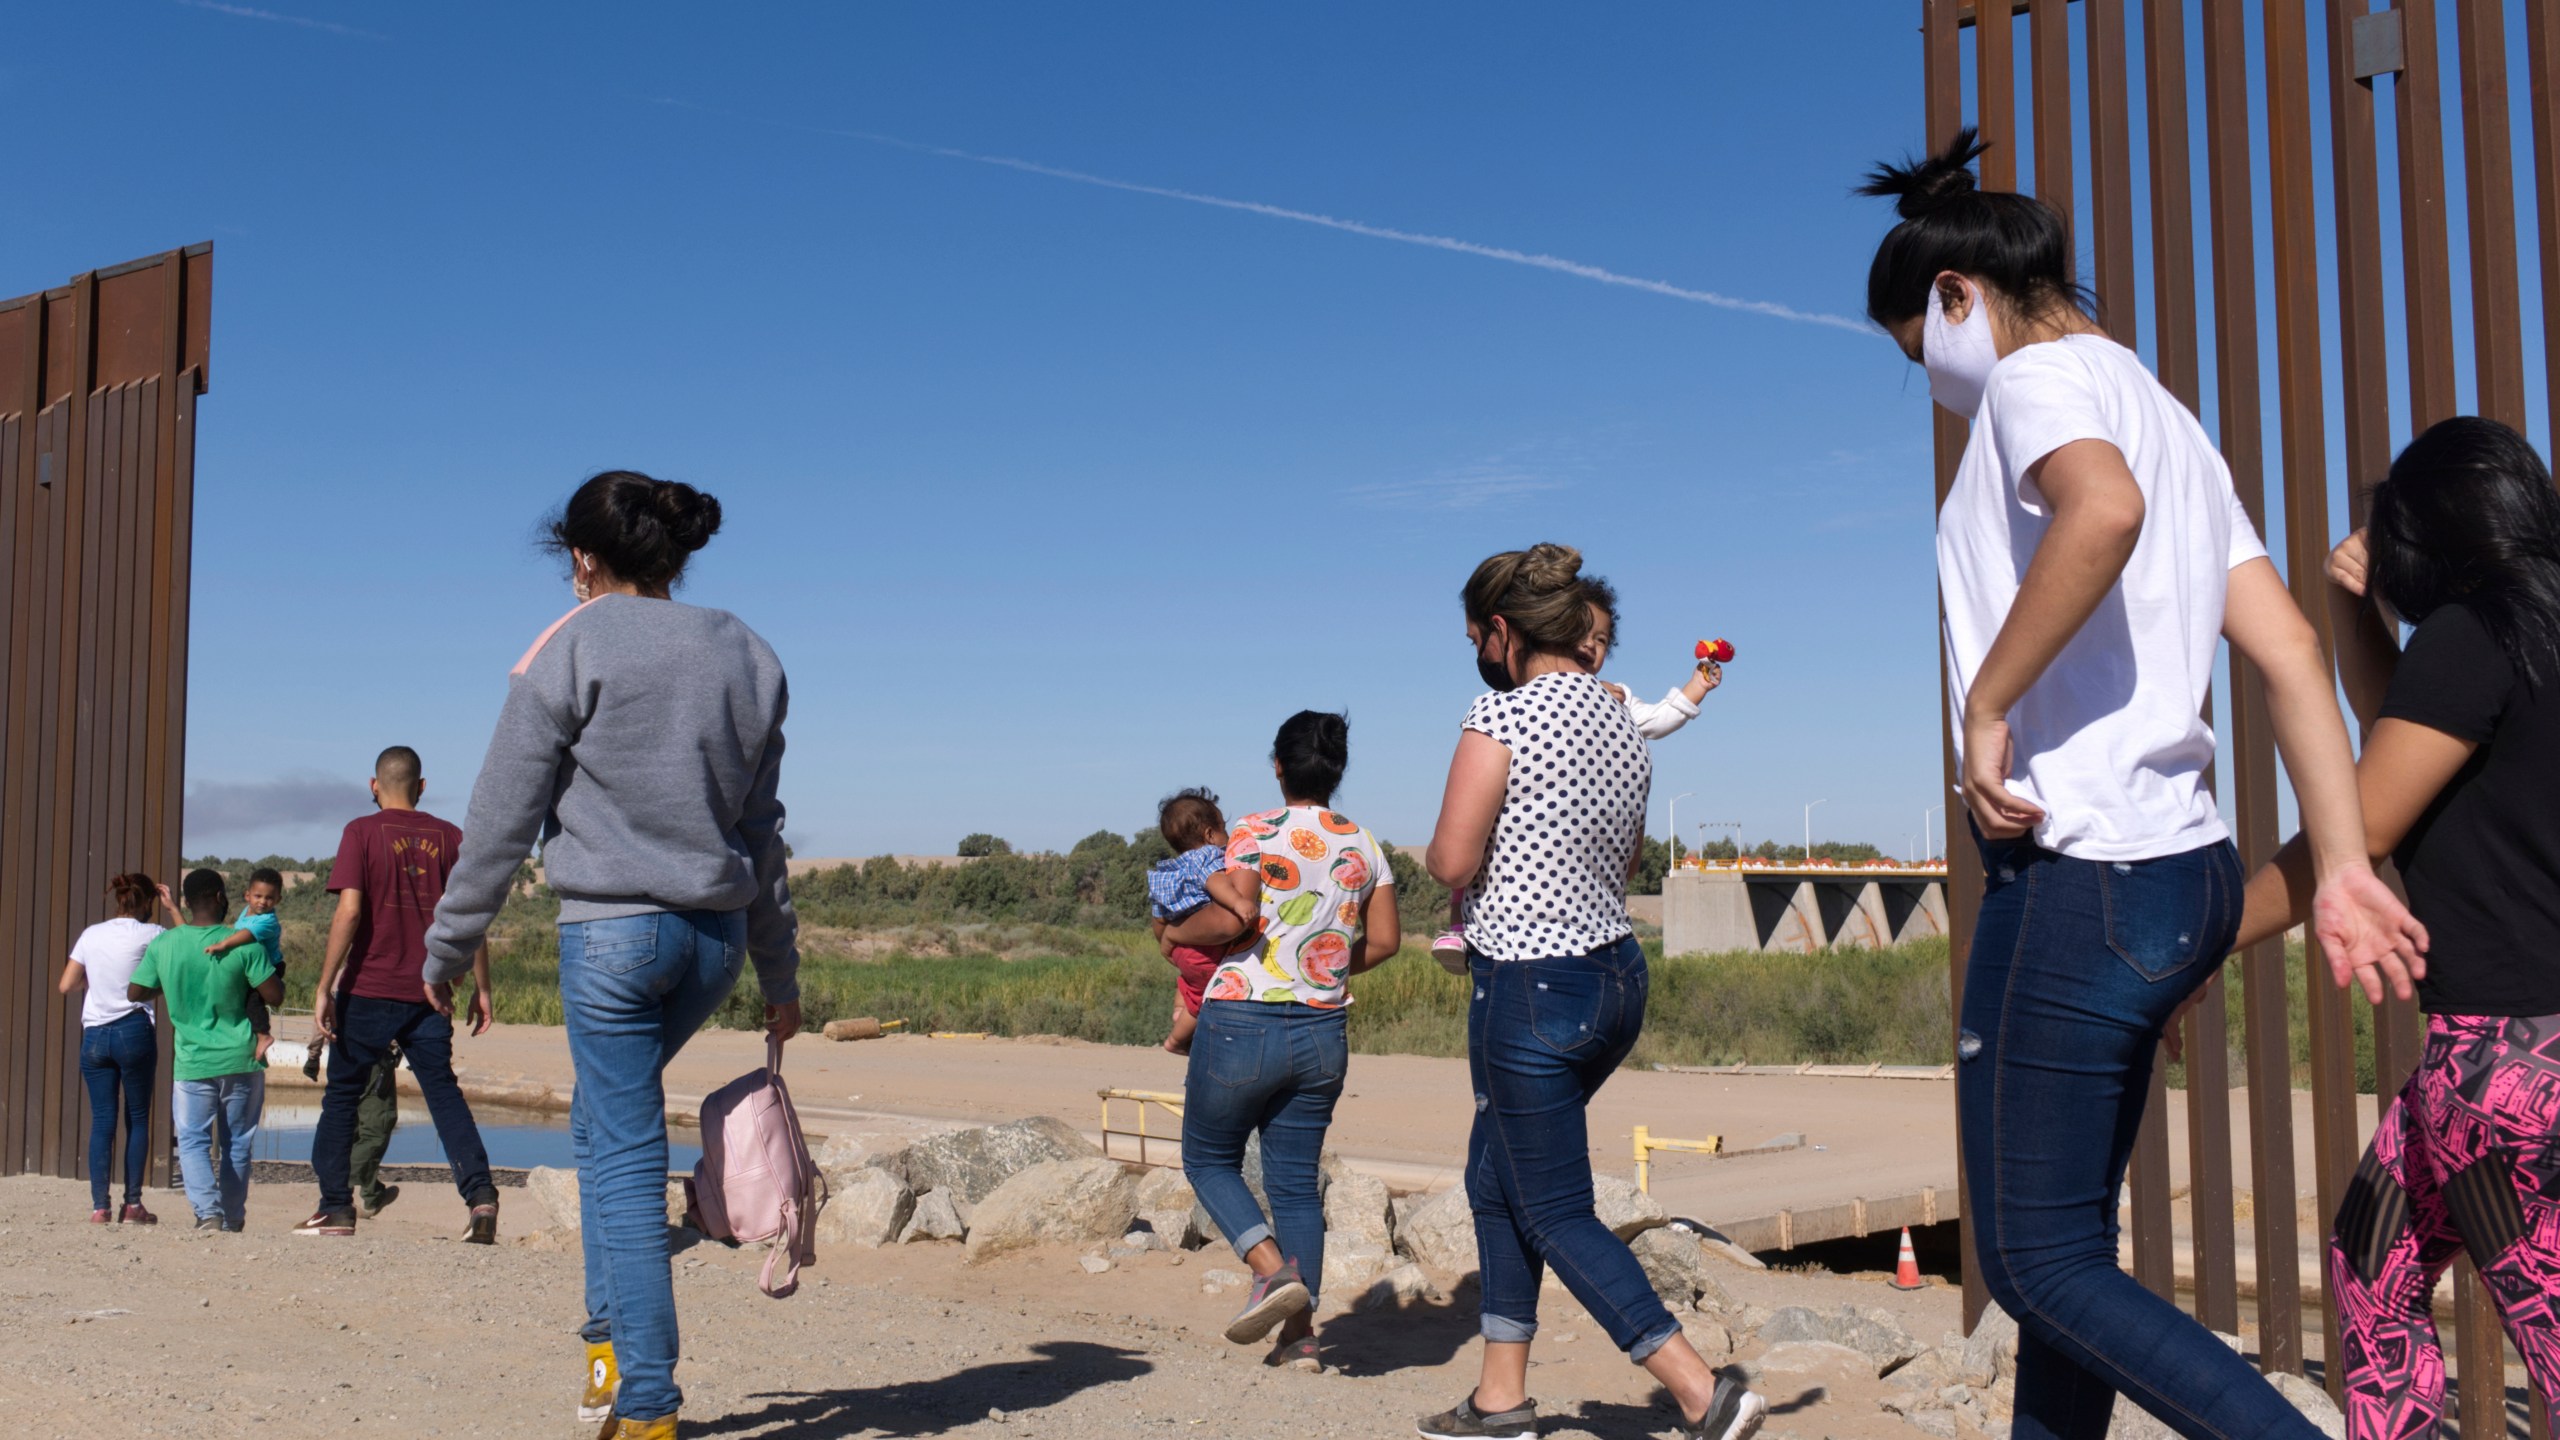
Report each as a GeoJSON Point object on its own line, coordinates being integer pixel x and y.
{"type": "Point", "coordinates": [1054, 495]}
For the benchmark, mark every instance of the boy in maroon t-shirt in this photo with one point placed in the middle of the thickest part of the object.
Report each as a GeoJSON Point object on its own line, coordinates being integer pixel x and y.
{"type": "Point", "coordinates": [388, 876]}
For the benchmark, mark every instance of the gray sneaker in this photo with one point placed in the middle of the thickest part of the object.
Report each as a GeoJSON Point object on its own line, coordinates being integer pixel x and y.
{"type": "Point", "coordinates": [1465, 1422]}
{"type": "Point", "coordinates": [1274, 1298]}
{"type": "Point", "coordinates": [1733, 1413]}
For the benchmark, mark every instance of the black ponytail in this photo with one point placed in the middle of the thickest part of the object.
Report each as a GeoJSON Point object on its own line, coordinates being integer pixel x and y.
{"type": "Point", "coordinates": [2014, 243]}
{"type": "Point", "coordinates": [1312, 750]}
{"type": "Point", "coordinates": [2468, 517]}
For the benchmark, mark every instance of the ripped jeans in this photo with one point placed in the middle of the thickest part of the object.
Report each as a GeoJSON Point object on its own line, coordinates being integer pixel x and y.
{"type": "Point", "coordinates": [2076, 967]}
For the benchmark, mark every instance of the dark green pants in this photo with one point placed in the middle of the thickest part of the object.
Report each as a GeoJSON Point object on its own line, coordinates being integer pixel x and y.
{"type": "Point", "coordinates": [377, 1115]}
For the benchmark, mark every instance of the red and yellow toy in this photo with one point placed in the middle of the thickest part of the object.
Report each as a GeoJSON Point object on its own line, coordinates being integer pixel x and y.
{"type": "Point", "coordinates": [1717, 651]}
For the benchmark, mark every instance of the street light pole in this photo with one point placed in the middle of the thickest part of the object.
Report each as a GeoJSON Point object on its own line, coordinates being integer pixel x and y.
{"type": "Point", "coordinates": [1674, 827]}
{"type": "Point", "coordinates": [1808, 830]}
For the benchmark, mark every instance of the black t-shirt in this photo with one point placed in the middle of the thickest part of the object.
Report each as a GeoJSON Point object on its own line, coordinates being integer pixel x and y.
{"type": "Point", "coordinates": [2483, 863]}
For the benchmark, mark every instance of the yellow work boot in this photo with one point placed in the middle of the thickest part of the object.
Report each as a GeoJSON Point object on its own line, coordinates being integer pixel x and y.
{"type": "Point", "coordinates": [595, 1408]}
{"type": "Point", "coordinates": [662, 1428]}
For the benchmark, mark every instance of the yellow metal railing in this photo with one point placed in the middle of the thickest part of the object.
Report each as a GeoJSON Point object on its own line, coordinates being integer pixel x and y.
{"type": "Point", "coordinates": [1171, 1100]}
{"type": "Point", "coordinates": [1646, 1144]}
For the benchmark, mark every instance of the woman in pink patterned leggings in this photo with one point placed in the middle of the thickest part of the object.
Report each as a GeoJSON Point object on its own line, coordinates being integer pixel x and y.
{"type": "Point", "coordinates": [2461, 784]}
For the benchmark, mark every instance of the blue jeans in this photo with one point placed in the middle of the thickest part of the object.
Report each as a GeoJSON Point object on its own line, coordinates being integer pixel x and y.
{"type": "Point", "coordinates": [117, 1063]}
{"type": "Point", "coordinates": [2075, 969]}
{"type": "Point", "coordinates": [368, 1026]}
{"type": "Point", "coordinates": [1276, 1069]}
{"type": "Point", "coordinates": [635, 989]}
{"type": "Point", "coordinates": [215, 1166]}
{"type": "Point", "coordinates": [1542, 1036]}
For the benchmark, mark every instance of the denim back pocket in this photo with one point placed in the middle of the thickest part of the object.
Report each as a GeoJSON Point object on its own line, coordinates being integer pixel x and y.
{"type": "Point", "coordinates": [614, 947]}
{"type": "Point", "coordinates": [1232, 1055]}
{"type": "Point", "coordinates": [1572, 1007]}
{"type": "Point", "coordinates": [2162, 915]}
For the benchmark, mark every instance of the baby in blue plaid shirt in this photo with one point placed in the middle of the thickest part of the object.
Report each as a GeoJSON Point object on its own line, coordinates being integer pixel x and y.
{"type": "Point", "coordinates": [1191, 824]}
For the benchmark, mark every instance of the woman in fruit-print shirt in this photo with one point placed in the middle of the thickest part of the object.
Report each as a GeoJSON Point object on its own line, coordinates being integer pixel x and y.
{"type": "Point", "coordinates": [1305, 903]}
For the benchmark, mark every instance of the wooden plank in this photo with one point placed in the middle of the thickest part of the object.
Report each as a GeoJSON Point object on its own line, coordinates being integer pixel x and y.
{"type": "Point", "coordinates": [2479, 1356]}
{"type": "Point", "coordinates": [2110, 168]}
{"type": "Point", "coordinates": [2155, 1263]}
{"type": "Point", "coordinates": [1786, 1229]}
{"type": "Point", "coordinates": [1995, 110]}
{"type": "Point", "coordinates": [2049, 80]}
{"type": "Point", "coordinates": [2425, 254]}
{"type": "Point", "coordinates": [2489, 192]}
{"type": "Point", "coordinates": [2232, 237]}
{"type": "Point", "coordinates": [2542, 38]}
{"type": "Point", "coordinates": [2215, 1259]}
{"type": "Point", "coordinates": [1942, 76]}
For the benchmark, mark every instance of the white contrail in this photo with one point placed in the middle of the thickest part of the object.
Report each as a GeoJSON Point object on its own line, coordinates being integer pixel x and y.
{"type": "Point", "coordinates": [246, 12]}
{"type": "Point", "coordinates": [1555, 263]}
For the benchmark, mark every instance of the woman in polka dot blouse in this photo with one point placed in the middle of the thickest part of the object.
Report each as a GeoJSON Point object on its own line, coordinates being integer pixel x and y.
{"type": "Point", "coordinates": [1542, 824]}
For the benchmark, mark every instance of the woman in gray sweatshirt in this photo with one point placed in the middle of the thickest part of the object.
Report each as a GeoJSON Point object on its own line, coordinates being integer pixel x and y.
{"type": "Point", "coordinates": [641, 743]}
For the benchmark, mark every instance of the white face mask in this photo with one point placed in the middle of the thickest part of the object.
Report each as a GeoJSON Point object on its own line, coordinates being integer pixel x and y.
{"type": "Point", "coordinates": [1959, 356]}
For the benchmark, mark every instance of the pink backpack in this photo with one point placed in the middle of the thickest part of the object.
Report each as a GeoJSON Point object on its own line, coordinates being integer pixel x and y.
{"type": "Point", "coordinates": [755, 1183]}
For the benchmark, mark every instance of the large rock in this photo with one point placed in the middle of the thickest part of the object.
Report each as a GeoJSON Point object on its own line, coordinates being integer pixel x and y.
{"type": "Point", "coordinates": [1347, 1268]}
{"type": "Point", "coordinates": [843, 1152]}
{"type": "Point", "coordinates": [1165, 1204]}
{"type": "Point", "coordinates": [1811, 1357]}
{"type": "Point", "coordinates": [1328, 1167]}
{"type": "Point", "coordinates": [2313, 1402]}
{"type": "Point", "coordinates": [1626, 1210]}
{"type": "Point", "coordinates": [1677, 1265]}
{"type": "Point", "coordinates": [1872, 1333]}
{"type": "Point", "coordinates": [556, 1191]}
{"type": "Point", "coordinates": [1056, 1202]}
{"type": "Point", "coordinates": [935, 1218]}
{"type": "Point", "coordinates": [1356, 1213]}
{"type": "Point", "coordinates": [870, 1209]}
{"type": "Point", "coordinates": [1393, 1289]}
{"type": "Point", "coordinates": [1441, 1233]}
{"type": "Point", "coordinates": [1991, 1351]}
{"type": "Point", "coordinates": [972, 1164]}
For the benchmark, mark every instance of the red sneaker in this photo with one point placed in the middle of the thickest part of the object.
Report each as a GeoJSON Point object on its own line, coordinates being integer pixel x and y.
{"type": "Point", "coordinates": [134, 1214]}
{"type": "Point", "coordinates": [101, 1217]}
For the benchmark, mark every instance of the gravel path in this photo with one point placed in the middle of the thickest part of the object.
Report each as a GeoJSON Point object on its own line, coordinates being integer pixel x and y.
{"type": "Point", "coordinates": [404, 1331]}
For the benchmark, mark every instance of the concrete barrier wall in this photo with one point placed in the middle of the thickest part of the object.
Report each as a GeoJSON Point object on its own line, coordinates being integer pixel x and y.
{"type": "Point", "coordinates": [1799, 911]}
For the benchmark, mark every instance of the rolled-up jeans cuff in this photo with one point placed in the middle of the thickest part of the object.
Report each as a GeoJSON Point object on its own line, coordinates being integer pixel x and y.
{"type": "Point", "coordinates": [1642, 1350]}
{"type": "Point", "coordinates": [1504, 1331]}
{"type": "Point", "coordinates": [1251, 1238]}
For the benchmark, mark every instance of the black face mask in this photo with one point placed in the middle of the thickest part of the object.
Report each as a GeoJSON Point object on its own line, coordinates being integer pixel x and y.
{"type": "Point", "coordinates": [1494, 673]}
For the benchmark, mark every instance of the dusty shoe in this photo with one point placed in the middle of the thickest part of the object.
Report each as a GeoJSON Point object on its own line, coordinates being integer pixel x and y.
{"type": "Point", "coordinates": [1299, 1355]}
{"type": "Point", "coordinates": [662, 1428]}
{"type": "Point", "coordinates": [483, 1229]}
{"type": "Point", "coordinates": [379, 1201]}
{"type": "Point", "coordinates": [328, 1222]}
{"type": "Point", "coordinates": [1274, 1298]}
{"type": "Point", "coordinates": [134, 1214]}
{"type": "Point", "coordinates": [101, 1217]}
{"type": "Point", "coordinates": [604, 1380]}
{"type": "Point", "coordinates": [1450, 949]}
{"type": "Point", "coordinates": [1733, 1413]}
{"type": "Point", "coordinates": [1465, 1422]}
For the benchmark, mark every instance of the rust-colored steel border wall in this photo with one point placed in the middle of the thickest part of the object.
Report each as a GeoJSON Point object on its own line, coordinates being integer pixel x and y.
{"type": "Point", "coordinates": [98, 387]}
{"type": "Point", "coordinates": [2396, 45]}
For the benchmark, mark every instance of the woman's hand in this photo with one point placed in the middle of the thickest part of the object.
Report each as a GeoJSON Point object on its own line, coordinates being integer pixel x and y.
{"type": "Point", "coordinates": [1996, 811]}
{"type": "Point", "coordinates": [2371, 939]}
{"type": "Point", "coordinates": [782, 1021]}
{"type": "Point", "coordinates": [2350, 563]}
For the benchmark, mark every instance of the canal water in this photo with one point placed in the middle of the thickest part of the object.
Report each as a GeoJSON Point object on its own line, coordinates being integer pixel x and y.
{"type": "Point", "coordinates": [515, 1139]}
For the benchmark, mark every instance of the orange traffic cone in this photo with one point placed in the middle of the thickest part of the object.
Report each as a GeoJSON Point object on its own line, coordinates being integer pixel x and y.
{"type": "Point", "coordinates": [1906, 1270]}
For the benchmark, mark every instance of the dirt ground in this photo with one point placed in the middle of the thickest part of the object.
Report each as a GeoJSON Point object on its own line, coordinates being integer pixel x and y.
{"type": "Point", "coordinates": [404, 1331]}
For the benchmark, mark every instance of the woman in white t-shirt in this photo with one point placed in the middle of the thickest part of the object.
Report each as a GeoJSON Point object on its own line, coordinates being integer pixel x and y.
{"type": "Point", "coordinates": [2090, 553]}
{"type": "Point", "coordinates": [119, 1042]}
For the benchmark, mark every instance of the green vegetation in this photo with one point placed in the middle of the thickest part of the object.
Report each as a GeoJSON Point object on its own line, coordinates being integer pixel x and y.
{"type": "Point", "coordinates": [1056, 945]}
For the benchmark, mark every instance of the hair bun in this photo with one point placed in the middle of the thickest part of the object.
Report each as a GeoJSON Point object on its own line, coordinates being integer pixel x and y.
{"type": "Point", "coordinates": [1548, 565]}
{"type": "Point", "coordinates": [1920, 186]}
{"type": "Point", "coordinates": [691, 517]}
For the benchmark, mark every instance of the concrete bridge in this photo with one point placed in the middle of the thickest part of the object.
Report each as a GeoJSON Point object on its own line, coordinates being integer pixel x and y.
{"type": "Point", "coordinates": [1800, 909]}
